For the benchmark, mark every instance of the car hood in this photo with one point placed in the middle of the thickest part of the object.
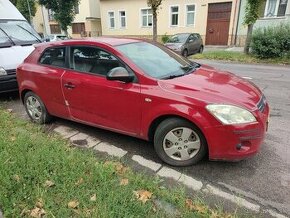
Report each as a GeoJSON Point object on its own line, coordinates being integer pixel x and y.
{"type": "Point", "coordinates": [212, 87]}
{"type": "Point", "coordinates": [173, 45]}
{"type": "Point", "coordinates": [12, 56]}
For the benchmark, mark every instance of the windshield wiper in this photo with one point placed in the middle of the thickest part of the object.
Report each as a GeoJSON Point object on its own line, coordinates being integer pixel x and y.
{"type": "Point", "coordinates": [172, 76]}
{"type": "Point", "coordinates": [187, 67]}
{"type": "Point", "coordinates": [12, 43]}
{"type": "Point", "coordinates": [37, 39]}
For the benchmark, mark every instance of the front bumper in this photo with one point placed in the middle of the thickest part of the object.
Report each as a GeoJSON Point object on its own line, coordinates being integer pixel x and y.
{"type": "Point", "coordinates": [8, 83]}
{"type": "Point", "coordinates": [237, 142]}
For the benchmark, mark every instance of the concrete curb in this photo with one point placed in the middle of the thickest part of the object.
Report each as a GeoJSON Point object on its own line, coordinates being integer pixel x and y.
{"type": "Point", "coordinates": [77, 138]}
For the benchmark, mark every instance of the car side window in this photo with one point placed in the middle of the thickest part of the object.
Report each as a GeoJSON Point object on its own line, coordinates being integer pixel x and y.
{"type": "Point", "coordinates": [195, 36]}
{"type": "Point", "coordinates": [54, 57]}
{"type": "Point", "coordinates": [93, 60]}
{"type": "Point", "coordinates": [191, 38]}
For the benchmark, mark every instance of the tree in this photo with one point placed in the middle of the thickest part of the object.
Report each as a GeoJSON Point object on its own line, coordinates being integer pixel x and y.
{"type": "Point", "coordinates": [252, 13]}
{"type": "Point", "coordinates": [26, 8]}
{"type": "Point", "coordinates": [154, 4]}
{"type": "Point", "coordinates": [64, 11]}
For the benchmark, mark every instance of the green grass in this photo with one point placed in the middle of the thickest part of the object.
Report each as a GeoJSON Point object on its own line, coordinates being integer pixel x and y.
{"type": "Point", "coordinates": [29, 157]}
{"type": "Point", "coordinates": [238, 57]}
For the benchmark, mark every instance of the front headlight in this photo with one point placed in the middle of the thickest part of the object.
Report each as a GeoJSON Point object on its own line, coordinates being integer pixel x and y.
{"type": "Point", "coordinates": [229, 114]}
{"type": "Point", "coordinates": [2, 72]}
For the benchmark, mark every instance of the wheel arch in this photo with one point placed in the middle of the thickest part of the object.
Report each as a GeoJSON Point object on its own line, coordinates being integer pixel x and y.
{"type": "Point", "coordinates": [154, 124]}
{"type": "Point", "coordinates": [23, 93]}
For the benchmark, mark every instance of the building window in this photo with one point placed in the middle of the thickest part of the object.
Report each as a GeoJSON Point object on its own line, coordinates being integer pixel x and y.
{"type": "Point", "coordinates": [275, 8]}
{"type": "Point", "coordinates": [147, 18]}
{"type": "Point", "coordinates": [190, 14]}
{"type": "Point", "coordinates": [78, 28]}
{"type": "Point", "coordinates": [55, 29]}
{"type": "Point", "coordinates": [122, 15]}
{"type": "Point", "coordinates": [51, 15]}
{"type": "Point", "coordinates": [111, 19]}
{"type": "Point", "coordinates": [174, 15]}
{"type": "Point", "coordinates": [77, 8]}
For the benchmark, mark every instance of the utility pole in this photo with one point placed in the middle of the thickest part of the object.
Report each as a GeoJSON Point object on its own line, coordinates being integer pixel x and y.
{"type": "Point", "coordinates": [29, 11]}
{"type": "Point", "coordinates": [44, 22]}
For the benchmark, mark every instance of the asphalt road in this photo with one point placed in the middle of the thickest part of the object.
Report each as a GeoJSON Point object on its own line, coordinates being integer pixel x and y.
{"type": "Point", "coordinates": [265, 177]}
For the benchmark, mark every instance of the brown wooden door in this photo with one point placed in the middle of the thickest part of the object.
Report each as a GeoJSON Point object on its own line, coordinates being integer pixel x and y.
{"type": "Point", "coordinates": [218, 23]}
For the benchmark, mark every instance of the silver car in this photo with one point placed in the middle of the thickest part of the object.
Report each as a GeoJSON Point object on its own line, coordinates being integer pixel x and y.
{"type": "Point", "coordinates": [185, 43]}
{"type": "Point", "coordinates": [55, 37]}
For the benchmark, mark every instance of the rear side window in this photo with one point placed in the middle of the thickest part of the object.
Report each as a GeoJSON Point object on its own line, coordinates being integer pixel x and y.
{"type": "Point", "coordinates": [54, 57]}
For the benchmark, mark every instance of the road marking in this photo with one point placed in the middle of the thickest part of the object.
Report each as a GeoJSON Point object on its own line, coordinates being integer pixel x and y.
{"type": "Point", "coordinates": [190, 182]}
{"type": "Point", "coordinates": [110, 149]}
{"type": "Point", "coordinates": [147, 163]}
{"type": "Point", "coordinates": [169, 173]}
{"type": "Point", "coordinates": [232, 198]}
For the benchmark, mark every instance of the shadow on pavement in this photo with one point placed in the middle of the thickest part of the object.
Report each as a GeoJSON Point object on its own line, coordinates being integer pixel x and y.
{"type": "Point", "coordinates": [9, 96]}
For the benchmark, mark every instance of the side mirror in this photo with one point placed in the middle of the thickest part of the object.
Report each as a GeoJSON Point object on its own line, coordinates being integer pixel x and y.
{"type": "Point", "coordinates": [191, 40]}
{"type": "Point", "coordinates": [120, 74]}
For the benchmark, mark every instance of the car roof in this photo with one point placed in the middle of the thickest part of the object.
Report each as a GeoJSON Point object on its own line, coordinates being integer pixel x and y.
{"type": "Point", "coordinates": [185, 34]}
{"type": "Point", "coordinates": [111, 41]}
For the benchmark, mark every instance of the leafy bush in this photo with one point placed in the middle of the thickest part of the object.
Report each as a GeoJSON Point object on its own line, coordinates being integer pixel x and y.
{"type": "Point", "coordinates": [165, 38]}
{"type": "Point", "coordinates": [271, 42]}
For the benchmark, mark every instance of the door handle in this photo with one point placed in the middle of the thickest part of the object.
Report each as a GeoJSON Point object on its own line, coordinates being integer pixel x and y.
{"type": "Point", "coordinates": [69, 86]}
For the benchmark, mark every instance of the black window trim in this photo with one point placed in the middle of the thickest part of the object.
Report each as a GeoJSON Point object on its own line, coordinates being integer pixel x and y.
{"type": "Point", "coordinates": [95, 74]}
{"type": "Point", "coordinates": [53, 47]}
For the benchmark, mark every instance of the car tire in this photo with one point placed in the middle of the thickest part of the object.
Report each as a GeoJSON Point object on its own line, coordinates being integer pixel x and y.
{"type": "Point", "coordinates": [179, 142]}
{"type": "Point", "coordinates": [185, 53]}
{"type": "Point", "coordinates": [36, 109]}
{"type": "Point", "coordinates": [200, 50]}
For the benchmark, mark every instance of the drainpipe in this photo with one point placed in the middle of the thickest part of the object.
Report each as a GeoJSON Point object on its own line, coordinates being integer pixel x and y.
{"type": "Point", "coordinates": [233, 27]}
{"type": "Point", "coordinates": [238, 22]}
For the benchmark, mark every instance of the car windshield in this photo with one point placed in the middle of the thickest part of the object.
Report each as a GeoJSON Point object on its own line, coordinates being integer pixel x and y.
{"type": "Point", "coordinates": [4, 40]}
{"type": "Point", "coordinates": [17, 33]}
{"type": "Point", "coordinates": [179, 38]}
{"type": "Point", "coordinates": [156, 60]}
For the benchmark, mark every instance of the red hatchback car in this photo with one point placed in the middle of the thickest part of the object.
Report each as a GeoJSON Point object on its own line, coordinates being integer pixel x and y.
{"type": "Point", "coordinates": [145, 90]}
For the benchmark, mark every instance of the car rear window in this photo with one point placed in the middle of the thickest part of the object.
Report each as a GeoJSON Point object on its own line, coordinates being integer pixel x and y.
{"type": "Point", "coordinates": [53, 57]}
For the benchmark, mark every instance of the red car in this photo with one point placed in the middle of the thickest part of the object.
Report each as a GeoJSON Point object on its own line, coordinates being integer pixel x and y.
{"type": "Point", "coordinates": [145, 90]}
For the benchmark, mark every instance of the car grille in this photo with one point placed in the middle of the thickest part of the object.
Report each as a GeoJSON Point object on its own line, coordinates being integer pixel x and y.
{"type": "Point", "coordinates": [262, 103]}
{"type": "Point", "coordinates": [11, 72]}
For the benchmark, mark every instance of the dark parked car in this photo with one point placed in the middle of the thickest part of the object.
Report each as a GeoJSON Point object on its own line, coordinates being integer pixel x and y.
{"type": "Point", "coordinates": [185, 43]}
{"type": "Point", "coordinates": [145, 90]}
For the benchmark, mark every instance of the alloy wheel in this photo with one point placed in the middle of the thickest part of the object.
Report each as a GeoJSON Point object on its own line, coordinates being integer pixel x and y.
{"type": "Point", "coordinates": [34, 108]}
{"type": "Point", "coordinates": [181, 143]}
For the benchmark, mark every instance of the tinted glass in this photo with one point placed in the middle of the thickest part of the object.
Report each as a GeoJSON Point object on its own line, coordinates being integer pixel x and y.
{"type": "Point", "coordinates": [93, 60]}
{"type": "Point", "coordinates": [54, 57]}
{"type": "Point", "coordinates": [155, 60]}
